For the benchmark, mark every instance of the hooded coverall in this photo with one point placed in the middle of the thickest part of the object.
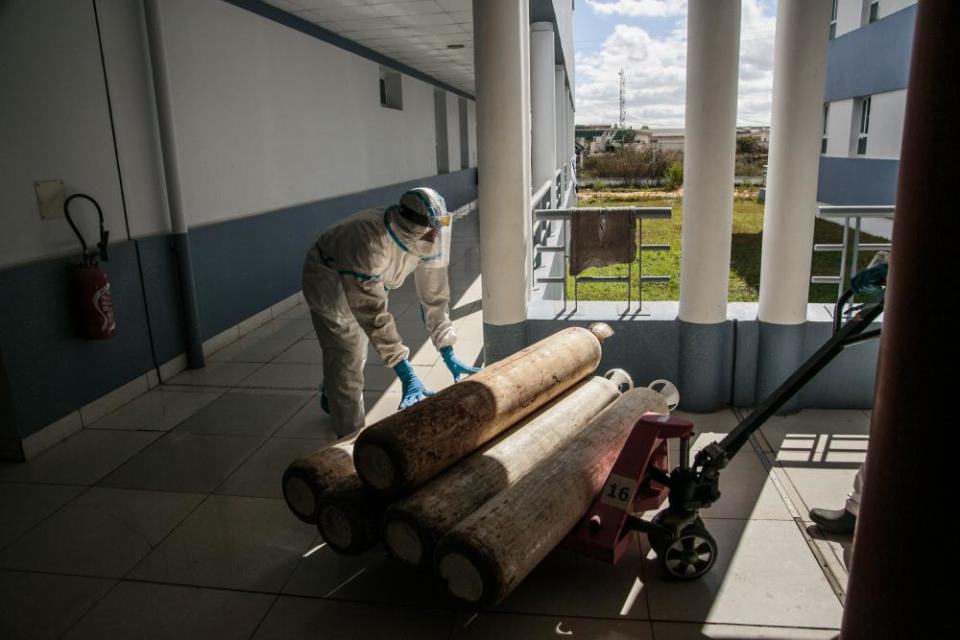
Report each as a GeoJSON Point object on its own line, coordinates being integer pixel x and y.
{"type": "Point", "coordinates": [346, 278]}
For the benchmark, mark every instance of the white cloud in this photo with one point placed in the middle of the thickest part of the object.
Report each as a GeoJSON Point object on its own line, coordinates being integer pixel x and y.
{"type": "Point", "coordinates": [655, 69]}
{"type": "Point", "coordinates": [640, 8]}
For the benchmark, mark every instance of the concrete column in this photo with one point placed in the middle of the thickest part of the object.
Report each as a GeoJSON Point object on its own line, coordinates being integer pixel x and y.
{"type": "Point", "coordinates": [501, 63]}
{"type": "Point", "coordinates": [800, 70]}
{"type": "Point", "coordinates": [910, 475]}
{"type": "Point", "coordinates": [542, 96]}
{"type": "Point", "coordinates": [559, 86]}
{"type": "Point", "coordinates": [713, 48]}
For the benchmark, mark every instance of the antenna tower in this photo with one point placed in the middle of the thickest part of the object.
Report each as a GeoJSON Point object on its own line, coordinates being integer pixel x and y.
{"type": "Point", "coordinates": [623, 100]}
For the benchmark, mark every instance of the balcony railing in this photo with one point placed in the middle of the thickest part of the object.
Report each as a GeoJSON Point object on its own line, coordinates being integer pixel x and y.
{"type": "Point", "coordinates": [564, 215]}
{"type": "Point", "coordinates": [850, 250]}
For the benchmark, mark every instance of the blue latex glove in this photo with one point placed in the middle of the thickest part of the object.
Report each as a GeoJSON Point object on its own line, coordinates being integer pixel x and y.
{"type": "Point", "coordinates": [413, 389]}
{"type": "Point", "coordinates": [456, 366]}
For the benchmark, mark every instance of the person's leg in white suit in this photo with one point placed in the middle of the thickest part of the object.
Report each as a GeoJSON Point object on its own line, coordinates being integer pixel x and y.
{"type": "Point", "coordinates": [342, 341]}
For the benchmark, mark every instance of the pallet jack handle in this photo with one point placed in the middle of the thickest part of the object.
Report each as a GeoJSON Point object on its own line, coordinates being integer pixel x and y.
{"type": "Point", "coordinates": [716, 455]}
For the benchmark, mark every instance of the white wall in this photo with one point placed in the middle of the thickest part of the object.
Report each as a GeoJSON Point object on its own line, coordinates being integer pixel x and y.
{"type": "Point", "coordinates": [453, 132]}
{"type": "Point", "coordinates": [839, 123]}
{"type": "Point", "coordinates": [849, 16]}
{"type": "Point", "coordinates": [853, 14]}
{"type": "Point", "coordinates": [886, 124]}
{"type": "Point", "coordinates": [892, 6]}
{"type": "Point", "coordinates": [53, 125]}
{"type": "Point", "coordinates": [135, 117]}
{"type": "Point", "coordinates": [267, 117]}
{"type": "Point", "coordinates": [472, 131]}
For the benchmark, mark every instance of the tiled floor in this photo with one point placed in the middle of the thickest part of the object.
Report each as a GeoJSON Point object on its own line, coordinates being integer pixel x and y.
{"type": "Point", "coordinates": [164, 520]}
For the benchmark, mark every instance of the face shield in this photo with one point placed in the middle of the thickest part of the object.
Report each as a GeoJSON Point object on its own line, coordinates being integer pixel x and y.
{"type": "Point", "coordinates": [440, 258]}
{"type": "Point", "coordinates": [427, 208]}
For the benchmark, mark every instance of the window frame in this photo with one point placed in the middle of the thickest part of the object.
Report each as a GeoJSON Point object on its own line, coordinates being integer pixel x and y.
{"type": "Point", "coordinates": [391, 89]}
{"type": "Point", "coordinates": [863, 128]}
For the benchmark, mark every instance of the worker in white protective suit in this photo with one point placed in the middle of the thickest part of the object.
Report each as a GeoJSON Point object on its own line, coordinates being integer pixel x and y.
{"type": "Point", "coordinates": [347, 277]}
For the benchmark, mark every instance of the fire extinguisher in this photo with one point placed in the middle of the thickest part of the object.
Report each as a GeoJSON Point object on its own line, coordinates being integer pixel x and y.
{"type": "Point", "coordinates": [90, 294]}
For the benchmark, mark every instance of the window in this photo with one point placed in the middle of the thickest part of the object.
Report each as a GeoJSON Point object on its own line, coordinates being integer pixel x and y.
{"type": "Point", "coordinates": [864, 104]}
{"type": "Point", "coordinates": [823, 134]}
{"type": "Point", "coordinates": [391, 89]}
{"type": "Point", "coordinates": [833, 20]}
{"type": "Point", "coordinates": [869, 12]}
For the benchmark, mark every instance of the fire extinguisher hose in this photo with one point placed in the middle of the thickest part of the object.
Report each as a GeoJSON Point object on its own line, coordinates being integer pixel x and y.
{"type": "Point", "coordinates": [87, 255]}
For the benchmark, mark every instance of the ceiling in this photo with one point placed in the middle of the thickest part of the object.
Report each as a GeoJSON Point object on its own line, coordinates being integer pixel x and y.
{"type": "Point", "coordinates": [417, 33]}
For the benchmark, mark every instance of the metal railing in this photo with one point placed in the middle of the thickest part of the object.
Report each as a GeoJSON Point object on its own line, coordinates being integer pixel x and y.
{"type": "Point", "coordinates": [564, 215]}
{"type": "Point", "coordinates": [850, 251]}
{"type": "Point", "coordinates": [552, 194]}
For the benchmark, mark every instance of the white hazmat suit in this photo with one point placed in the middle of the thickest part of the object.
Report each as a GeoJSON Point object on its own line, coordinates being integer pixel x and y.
{"type": "Point", "coordinates": [347, 276]}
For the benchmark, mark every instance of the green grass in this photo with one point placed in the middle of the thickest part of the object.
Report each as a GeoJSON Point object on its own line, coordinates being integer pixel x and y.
{"type": "Point", "coordinates": [744, 253]}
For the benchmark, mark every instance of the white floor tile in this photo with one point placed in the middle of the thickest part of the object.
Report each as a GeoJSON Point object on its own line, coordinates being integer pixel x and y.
{"type": "Point", "coordinates": [24, 505]}
{"type": "Point", "coordinates": [697, 631]}
{"type": "Point", "coordinates": [286, 376]}
{"type": "Point", "coordinates": [307, 619]}
{"type": "Point", "coordinates": [233, 543]}
{"type": "Point", "coordinates": [160, 409]}
{"type": "Point", "coordinates": [260, 475]}
{"type": "Point", "coordinates": [83, 458]}
{"type": "Point", "coordinates": [815, 426]}
{"type": "Point", "coordinates": [301, 352]}
{"type": "Point", "coordinates": [759, 561]}
{"type": "Point", "coordinates": [571, 584]}
{"type": "Point", "coordinates": [102, 533]}
{"type": "Point", "coordinates": [148, 611]}
{"type": "Point", "coordinates": [38, 606]}
{"type": "Point", "coordinates": [252, 350]}
{"type": "Point", "coordinates": [216, 374]}
{"type": "Point", "coordinates": [244, 414]}
{"type": "Point", "coordinates": [507, 626]}
{"type": "Point", "coordinates": [184, 462]}
{"type": "Point", "coordinates": [310, 421]}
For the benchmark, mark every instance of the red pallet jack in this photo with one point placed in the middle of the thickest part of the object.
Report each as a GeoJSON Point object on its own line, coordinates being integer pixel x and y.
{"type": "Point", "coordinates": [640, 480]}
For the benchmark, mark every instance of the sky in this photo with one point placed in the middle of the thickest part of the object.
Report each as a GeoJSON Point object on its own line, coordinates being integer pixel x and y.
{"type": "Point", "coordinates": [647, 39]}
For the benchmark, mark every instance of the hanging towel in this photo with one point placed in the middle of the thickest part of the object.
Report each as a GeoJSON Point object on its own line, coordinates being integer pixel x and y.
{"type": "Point", "coordinates": [598, 239]}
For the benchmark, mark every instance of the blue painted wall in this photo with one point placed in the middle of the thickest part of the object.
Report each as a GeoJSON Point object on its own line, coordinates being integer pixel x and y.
{"type": "Point", "coordinates": [650, 348]}
{"type": "Point", "coordinates": [872, 59]}
{"type": "Point", "coordinates": [857, 181]}
{"type": "Point", "coordinates": [50, 371]}
{"type": "Point", "coordinates": [242, 266]}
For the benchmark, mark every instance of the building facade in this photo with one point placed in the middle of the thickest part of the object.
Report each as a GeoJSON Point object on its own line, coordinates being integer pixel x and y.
{"type": "Point", "coordinates": [868, 64]}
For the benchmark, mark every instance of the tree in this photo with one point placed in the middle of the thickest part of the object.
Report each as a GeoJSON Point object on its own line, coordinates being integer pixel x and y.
{"type": "Point", "coordinates": [748, 144]}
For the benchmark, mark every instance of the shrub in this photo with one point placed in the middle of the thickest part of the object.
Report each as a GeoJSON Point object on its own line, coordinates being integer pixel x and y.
{"type": "Point", "coordinates": [673, 176]}
{"type": "Point", "coordinates": [632, 166]}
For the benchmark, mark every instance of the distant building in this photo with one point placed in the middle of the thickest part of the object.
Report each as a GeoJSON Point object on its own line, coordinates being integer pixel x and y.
{"type": "Point", "coordinates": [868, 63]}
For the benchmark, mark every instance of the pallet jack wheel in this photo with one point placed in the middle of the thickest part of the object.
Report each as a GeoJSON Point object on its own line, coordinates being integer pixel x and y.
{"type": "Point", "coordinates": [690, 555]}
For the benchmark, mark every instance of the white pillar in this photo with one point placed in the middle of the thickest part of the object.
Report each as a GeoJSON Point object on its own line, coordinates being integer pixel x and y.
{"type": "Point", "coordinates": [559, 86]}
{"type": "Point", "coordinates": [800, 69]}
{"type": "Point", "coordinates": [713, 48]}
{"type": "Point", "coordinates": [568, 134]}
{"type": "Point", "coordinates": [501, 63]}
{"type": "Point", "coordinates": [542, 96]}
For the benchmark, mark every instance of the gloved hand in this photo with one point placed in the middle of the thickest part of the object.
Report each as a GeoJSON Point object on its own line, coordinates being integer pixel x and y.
{"type": "Point", "coordinates": [871, 280]}
{"type": "Point", "coordinates": [456, 366]}
{"type": "Point", "coordinates": [413, 389]}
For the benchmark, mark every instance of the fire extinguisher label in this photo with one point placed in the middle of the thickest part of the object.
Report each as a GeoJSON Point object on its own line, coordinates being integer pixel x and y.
{"type": "Point", "coordinates": [103, 303]}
